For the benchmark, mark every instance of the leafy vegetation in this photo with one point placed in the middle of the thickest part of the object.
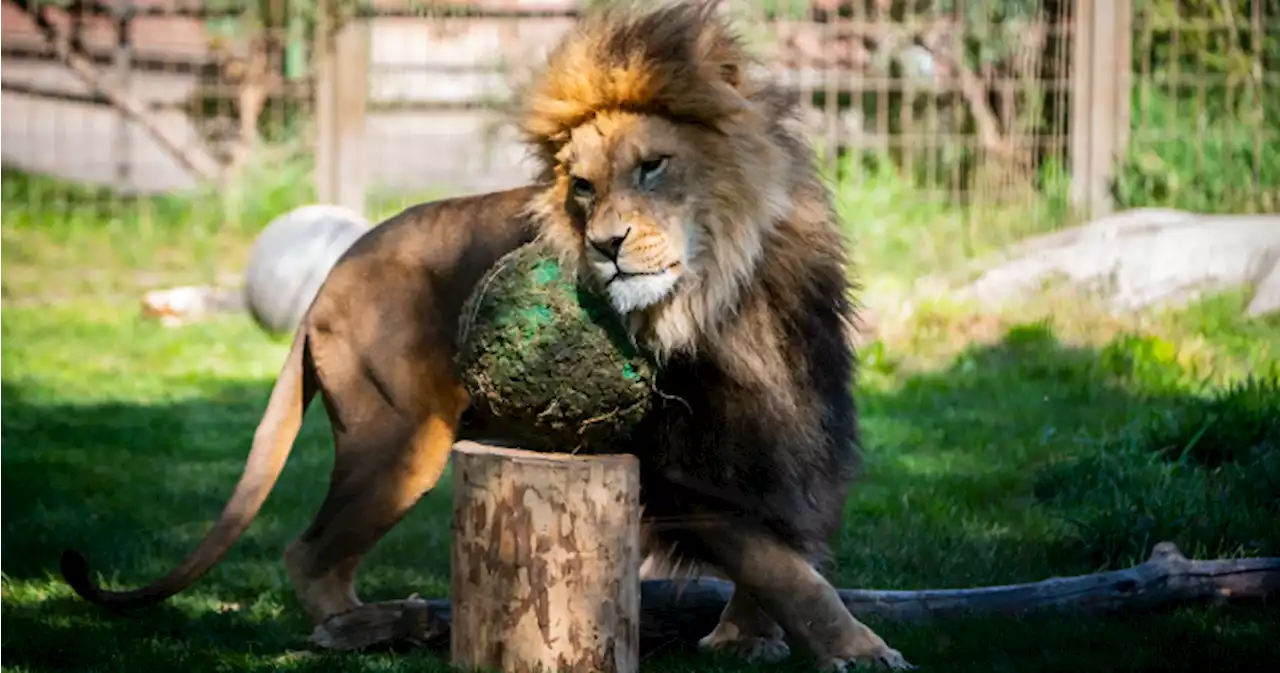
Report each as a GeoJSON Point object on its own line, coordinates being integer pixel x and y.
{"type": "Point", "coordinates": [120, 246]}
{"type": "Point", "coordinates": [900, 233]}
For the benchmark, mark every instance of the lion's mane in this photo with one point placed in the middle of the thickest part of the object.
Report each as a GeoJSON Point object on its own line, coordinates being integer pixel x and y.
{"type": "Point", "coordinates": [757, 423]}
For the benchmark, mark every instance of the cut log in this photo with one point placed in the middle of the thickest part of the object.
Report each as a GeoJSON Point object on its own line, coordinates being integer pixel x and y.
{"type": "Point", "coordinates": [546, 559]}
{"type": "Point", "coordinates": [677, 612]}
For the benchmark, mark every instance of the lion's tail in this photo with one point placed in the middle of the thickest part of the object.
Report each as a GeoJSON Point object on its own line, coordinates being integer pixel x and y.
{"type": "Point", "coordinates": [271, 445]}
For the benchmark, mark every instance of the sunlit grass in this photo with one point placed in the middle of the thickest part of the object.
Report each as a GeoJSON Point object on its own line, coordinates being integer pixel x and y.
{"type": "Point", "coordinates": [63, 242]}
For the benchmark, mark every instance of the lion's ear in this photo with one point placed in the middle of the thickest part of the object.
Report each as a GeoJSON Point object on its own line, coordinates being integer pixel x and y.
{"type": "Point", "coordinates": [731, 74]}
{"type": "Point", "coordinates": [719, 47]}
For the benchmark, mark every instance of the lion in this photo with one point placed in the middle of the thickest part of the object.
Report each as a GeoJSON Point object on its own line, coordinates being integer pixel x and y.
{"type": "Point", "coordinates": [674, 178]}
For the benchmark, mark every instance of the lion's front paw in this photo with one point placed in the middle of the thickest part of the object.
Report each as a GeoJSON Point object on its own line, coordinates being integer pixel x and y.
{"type": "Point", "coordinates": [887, 658]}
{"type": "Point", "coordinates": [752, 649]}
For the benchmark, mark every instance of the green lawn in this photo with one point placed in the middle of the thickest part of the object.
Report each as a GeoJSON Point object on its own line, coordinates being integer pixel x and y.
{"type": "Point", "coordinates": [999, 449]}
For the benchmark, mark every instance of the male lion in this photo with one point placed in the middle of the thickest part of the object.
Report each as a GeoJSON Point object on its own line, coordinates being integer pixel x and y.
{"type": "Point", "coordinates": [674, 179]}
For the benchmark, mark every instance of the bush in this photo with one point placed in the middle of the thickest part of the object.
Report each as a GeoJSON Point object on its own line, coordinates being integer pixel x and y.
{"type": "Point", "coordinates": [1210, 161]}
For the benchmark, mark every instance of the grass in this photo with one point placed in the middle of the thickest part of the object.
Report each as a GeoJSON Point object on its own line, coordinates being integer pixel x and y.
{"type": "Point", "coordinates": [1192, 156]}
{"type": "Point", "coordinates": [999, 448]}
{"type": "Point", "coordinates": [900, 234]}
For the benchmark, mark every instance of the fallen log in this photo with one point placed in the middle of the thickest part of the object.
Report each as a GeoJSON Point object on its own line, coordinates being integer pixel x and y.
{"type": "Point", "coordinates": [679, 611]}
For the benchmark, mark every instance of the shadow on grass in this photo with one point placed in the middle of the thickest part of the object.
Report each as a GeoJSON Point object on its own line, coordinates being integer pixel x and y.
{"type": "Point", "coordinates": [968, 467]}
{"type": "Point", "coordinates": [134, 487]}
{"type": "Point", "coordinates": [1029, 458]}
{"type": "Point", "coordinates": [1021, 460]}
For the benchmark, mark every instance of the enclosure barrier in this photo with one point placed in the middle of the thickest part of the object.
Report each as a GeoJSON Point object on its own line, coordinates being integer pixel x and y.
{"type": "Point", "coordinates": [1129, 102]}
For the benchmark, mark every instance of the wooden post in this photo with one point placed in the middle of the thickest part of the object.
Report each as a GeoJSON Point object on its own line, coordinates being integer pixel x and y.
{"type": "Point", "coordinates": [1101, 74]}
{"type": "Point", "coordinates": [122, 149]}
{"type": "Point", "coordinates": [341, 91]}
{"type": "Point", "coordinates": [546, 559]}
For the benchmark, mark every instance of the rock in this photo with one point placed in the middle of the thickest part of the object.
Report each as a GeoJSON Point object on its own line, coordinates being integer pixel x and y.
{"type": "Point", "coordinates": [1266, 294]}
{"type": "Point", "coordinates": [291, 258]}
{"type": "Point", "coordinates": [1139, 259]}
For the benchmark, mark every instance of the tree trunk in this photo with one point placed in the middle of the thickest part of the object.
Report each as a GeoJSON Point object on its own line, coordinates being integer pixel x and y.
{"type": "Point", "coordinates": [546, 557]}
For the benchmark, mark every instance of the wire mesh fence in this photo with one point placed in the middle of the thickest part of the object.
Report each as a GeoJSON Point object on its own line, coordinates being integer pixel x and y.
{"type": "Point", "coordinates": [1205, 135]}
{"type": "Point", "coordinates": [1029, 113]}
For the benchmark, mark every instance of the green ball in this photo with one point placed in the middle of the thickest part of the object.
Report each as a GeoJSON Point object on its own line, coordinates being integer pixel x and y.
{"type": "Point", "coordinates": [546, 361]}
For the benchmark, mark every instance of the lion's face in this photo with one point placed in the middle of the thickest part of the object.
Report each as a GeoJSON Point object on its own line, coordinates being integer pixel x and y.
{"type": "Point", "coordinates": [631, 200]}
{"type": "Point", "coordinates": [669, 219]}
{"type": "Point", "coordinates": [666, 167]}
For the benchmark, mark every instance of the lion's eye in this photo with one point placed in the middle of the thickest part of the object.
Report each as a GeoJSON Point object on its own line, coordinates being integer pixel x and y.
{"type": "Point", "coordinates": [651, 170]}
{"type": "Point", "coordinates": [582, 188]}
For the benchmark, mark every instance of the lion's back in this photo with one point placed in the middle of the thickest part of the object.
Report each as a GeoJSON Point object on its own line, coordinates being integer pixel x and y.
{"type": "Point", "coordinates": [414, 270]}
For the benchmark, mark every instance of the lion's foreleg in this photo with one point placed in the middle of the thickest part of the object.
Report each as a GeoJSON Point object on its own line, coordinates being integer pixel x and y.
{"type": "Point", "coordinates": [787, 587]}
{"type": "Point", "coordinates": [746, 631]}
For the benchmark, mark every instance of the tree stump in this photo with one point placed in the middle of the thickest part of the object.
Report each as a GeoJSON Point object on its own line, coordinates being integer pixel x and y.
{"type": "Point", "coordinates": [546, 557]}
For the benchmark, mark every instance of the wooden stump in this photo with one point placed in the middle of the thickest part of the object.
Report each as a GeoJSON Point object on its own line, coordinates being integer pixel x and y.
{"type": "Point", "coordinates": [546, 556]}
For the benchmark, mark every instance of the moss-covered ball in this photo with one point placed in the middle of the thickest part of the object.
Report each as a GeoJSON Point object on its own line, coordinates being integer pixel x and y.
{"type": "Point", "coordinates": [547, 363]}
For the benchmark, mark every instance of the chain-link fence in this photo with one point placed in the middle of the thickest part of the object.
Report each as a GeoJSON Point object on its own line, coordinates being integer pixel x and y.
{"type": "Point", "coordinates": [378, 103]}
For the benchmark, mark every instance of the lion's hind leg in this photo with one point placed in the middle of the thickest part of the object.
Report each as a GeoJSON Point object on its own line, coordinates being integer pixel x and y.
{"type": "Point", "coordinates": [392, 438]}
{"type": "Point", "coordinates": [324, 559]}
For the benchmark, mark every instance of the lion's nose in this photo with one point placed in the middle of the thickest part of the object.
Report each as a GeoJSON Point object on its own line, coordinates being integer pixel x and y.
{"type": "Point", "coordinates": [610, 245]}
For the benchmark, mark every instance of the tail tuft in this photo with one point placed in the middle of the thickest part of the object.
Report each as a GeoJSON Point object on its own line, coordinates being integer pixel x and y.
{"type": "Point", "coordinates": [75, 570]}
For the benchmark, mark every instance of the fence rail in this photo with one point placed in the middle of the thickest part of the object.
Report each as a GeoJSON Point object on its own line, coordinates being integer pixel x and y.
{"type": "Point", "coordinates": [1092, 104]}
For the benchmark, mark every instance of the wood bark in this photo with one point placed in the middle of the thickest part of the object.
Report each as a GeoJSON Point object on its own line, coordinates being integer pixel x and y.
{"type": "Point", "coordinates": [675, 613]}
{"type": "Point", "coordinates": [546, 557]}
{"type": "Point", "coordinates": [675, 610]}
